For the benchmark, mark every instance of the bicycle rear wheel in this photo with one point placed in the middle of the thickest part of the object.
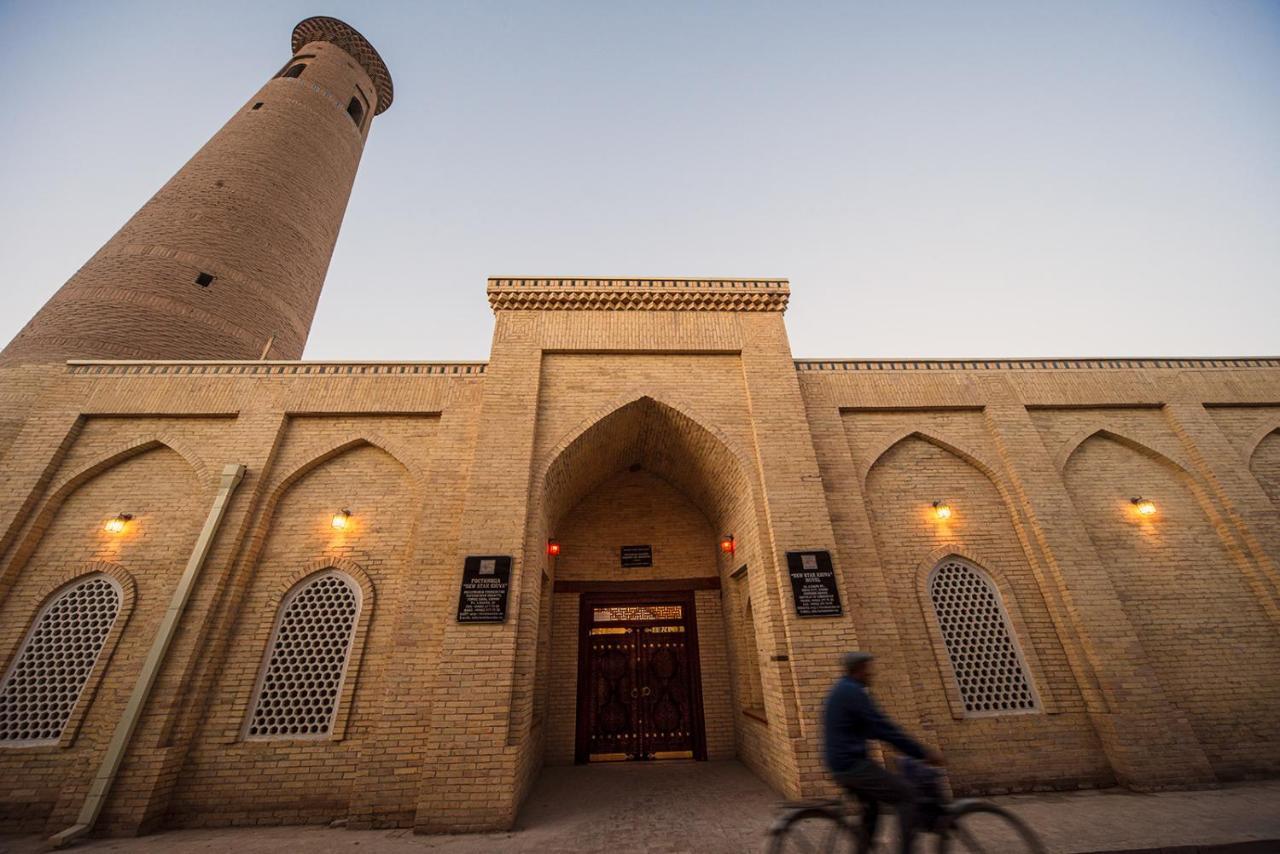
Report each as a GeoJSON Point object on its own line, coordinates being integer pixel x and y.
{"type": "Point", "coordinates": [814, 831]}
{"type": "Point", "coordinates": [977, 827]}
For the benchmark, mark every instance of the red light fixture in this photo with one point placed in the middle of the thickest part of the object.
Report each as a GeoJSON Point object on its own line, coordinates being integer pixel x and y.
{"type": "Point", "coordinates": [553, 547]}
{"type": "Point", "coordinates": [726, 544]}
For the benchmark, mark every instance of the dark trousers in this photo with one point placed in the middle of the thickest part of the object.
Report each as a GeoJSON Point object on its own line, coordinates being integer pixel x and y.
{"type": "Point", "coordinates": [873, 785]}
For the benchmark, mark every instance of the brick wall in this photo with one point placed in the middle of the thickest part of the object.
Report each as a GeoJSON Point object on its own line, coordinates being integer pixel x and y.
{"type": "Point", "coordinates": [1189, 599]}
{"type": "Point", "coordinates": [445, 725]}
{"type": "Point", "coordinates": [46, 783]}
{"type": "Point", "coordinates": [1055, 747]}
{"type": "Point", "coordinates": [230, 779]}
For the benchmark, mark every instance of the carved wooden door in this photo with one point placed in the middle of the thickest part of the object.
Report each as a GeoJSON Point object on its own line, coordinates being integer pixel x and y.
{"type": "Point", "coordinates": [666, 701]}
{"type": "Point", "coordinates": [638, 695]}
{"type": "Point", "coordinates": [613, 720]}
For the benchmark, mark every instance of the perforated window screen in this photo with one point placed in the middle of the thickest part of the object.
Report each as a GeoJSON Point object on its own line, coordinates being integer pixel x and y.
{"type": "Point", "coordinates": [985, 659]}
{"type": "Point", "coordinates": [637, 612]}
{"type": "Point", "coordinates": [302, 675]}
{"type": "Point", "coordinates": [45, 681]}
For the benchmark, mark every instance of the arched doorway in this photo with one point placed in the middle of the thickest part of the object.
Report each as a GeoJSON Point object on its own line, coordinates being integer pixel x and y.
{"type": "Point", "coordinates": [638, 658]}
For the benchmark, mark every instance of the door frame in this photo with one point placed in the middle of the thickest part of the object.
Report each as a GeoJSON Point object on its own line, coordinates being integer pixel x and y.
{"type": "Point", "coordinates": [589, 600]}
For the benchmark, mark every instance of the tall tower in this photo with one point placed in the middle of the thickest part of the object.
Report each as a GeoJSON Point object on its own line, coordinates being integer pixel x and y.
{"type": "Point", "coordinates": [227, 260]}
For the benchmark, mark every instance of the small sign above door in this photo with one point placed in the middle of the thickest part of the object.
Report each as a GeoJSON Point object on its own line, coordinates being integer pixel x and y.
{"type": "Point", "coordinates": [813, 584]}
{"type": "Point", "coordinates": [485, 580]}
{"type": "Point", "coordinates": [633, 556]}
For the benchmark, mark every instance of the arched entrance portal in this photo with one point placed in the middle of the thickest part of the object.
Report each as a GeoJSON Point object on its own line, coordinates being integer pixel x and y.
{"type": "Point", "coordinates": [639, 656]}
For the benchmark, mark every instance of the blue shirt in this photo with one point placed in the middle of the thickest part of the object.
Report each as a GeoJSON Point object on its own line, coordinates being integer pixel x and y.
{"type": "Point", "coordinates": [849, 718]}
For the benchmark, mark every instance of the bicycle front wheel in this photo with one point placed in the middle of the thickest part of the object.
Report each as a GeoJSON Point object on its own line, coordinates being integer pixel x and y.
{"type": "Point", "coordinates": [977, 827]}
{"type": "Point", "coordinates": [814, 831]}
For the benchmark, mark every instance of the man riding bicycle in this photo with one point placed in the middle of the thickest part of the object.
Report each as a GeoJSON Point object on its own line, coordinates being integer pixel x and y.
{"type": "Point", "coordinates": [849, 718]}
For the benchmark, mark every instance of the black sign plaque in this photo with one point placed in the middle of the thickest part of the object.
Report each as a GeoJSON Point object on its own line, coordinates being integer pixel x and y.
{"type": "Point", "coordinates": [813, 584]}
{"type": "Point", "coordinates": [485, 581]}
{"type": "Point", "coordinates": [637, 556]}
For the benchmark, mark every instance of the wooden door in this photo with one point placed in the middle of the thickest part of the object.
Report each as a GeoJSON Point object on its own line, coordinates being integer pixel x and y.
{"type": "Point", "coordinates": [664, 676]}
{"type": "Point", "coordinates": [639, 691]}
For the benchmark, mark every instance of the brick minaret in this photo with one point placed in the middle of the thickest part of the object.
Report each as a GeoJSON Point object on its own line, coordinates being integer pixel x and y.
{"type": "Point", "coordinates": [227, 260]}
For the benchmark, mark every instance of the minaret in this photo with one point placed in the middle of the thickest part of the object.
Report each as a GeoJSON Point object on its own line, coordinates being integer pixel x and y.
{"type": "Point", "coordinates": [227, 260]}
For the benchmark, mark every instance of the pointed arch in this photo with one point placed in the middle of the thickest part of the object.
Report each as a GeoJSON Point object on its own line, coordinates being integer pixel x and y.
{"type": "Point", "coordinates": [1257, 438]}
{"type": "Point", "coordinates": [1191, 591]}
{"type": "Point", "coordinates": [46, 509]}
{"type": "Point", "coordinates": [631, 398]}
{"type": "Point", "coordinates": [101, 597]}
{"type": "Point", "coordinates": [990, 566]}
{"type": "Point", "coordinates": [1265, 465]}
{"type": "Point", "coordinates": [976, 640]}
{"type": "Point", "coordinates": [635, 403]}
{"type": "Point", "coordinates": [882, 449]}
{"type": "Point", "coordinates": [329, 603]}
{"type": "Point", "coordinates": [270, 551]}
{"type": "Point", "coordinates": [673, 440]}
{"type": "Point", "coordinates": [126, 450]}
{"type": "Point", "coordinates": [1069, 448]}
{"type": "Point", "coordinates": [356, 439]}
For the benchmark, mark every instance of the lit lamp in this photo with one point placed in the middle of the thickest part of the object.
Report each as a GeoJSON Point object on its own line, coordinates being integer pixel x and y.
{"type": "Point", "coordinates": [1145, 506]}
{"type": "Point", "coordinates": [553, 547]}
{"type": "Point", "coordinates": [726, 544]}
{"type": "Point", "coordinates": [116, 524]}
{"type": "Point", "coordinates": [942, 510]}
{"type": "Point", "coordinates": [341, 519]}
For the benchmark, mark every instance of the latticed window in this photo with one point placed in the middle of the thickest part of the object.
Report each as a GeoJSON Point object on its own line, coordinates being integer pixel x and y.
{"type": "Point", "coordinates": [302, 676]}
{"type": "Point", "coordinates": [637, 612]}
{"type": "Point", "coordinates": [54, 662]}
{"type": "Point", "coordinates": [986, 661]}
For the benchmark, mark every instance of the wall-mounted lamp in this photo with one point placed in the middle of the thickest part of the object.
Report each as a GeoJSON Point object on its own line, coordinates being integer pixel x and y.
{"type": "Point", "coordinates": [1145, 506]}
{"type": "Point", "coordinates": [116, 524]}
{"type": "Point", "coordinates": [941, 510]}
{"type": "Point", "coordinates": [553, 547]}
{"type": "Point", "coordinates": [341, 519]}
{"type": "Point", "coordinates": [726, 544]}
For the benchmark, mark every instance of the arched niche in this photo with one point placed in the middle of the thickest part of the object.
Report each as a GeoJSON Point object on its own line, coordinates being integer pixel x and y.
{"type": "Point", "coordinates": [296, 537]}
{"type": "Point", "coordinates": [911, 540]}
{"type": "Point", "coordinates": [1265, 465]}
{"type": "Point", "coordinates": [647, 473]}
{"type": "Point", "coordinates": [1201, 627]}
{"type": "Point", "coordinates": [168, 504]}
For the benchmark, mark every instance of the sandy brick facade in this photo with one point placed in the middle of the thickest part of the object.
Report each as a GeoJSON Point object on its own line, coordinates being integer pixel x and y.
{"type": "Point", "coordinates": [696, 425]}
{"type": "Point", "coordinates": [611, 412]}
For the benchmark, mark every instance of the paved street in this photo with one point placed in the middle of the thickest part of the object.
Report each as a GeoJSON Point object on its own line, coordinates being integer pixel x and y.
{"type": "Point", "coordinates": [720, 807]}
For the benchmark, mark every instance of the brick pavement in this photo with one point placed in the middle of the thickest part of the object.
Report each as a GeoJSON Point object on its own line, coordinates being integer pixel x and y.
{"type": "Point", "coordinates": [719, 807]}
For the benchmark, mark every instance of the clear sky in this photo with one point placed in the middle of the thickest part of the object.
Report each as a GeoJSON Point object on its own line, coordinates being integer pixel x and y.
{"type": "Point", "coordinates": [936, 179]}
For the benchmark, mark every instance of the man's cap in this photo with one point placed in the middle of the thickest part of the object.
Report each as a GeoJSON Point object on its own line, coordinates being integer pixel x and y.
{"type": "Point", "coordinates": [853, 659]}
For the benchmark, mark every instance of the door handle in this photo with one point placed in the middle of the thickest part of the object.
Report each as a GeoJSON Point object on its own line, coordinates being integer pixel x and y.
{"type": "Point", "coordinates": [634, 693]}
{"type": "Point", "coordinates": [645, 692]}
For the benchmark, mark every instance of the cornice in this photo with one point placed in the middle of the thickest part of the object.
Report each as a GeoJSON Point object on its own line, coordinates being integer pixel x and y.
{"type": "Point", "coordinates": [1029, 364]}
{"type": "Point", "coordinates": [521, 294]}
{"type": "Point", "coordinates": [269, 368]}
{"type": "Point", "coordinates": [347, 37]}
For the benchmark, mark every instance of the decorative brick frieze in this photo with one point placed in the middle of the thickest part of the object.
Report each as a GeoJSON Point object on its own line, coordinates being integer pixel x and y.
{"type": "Point", "coordinates": [1027, 364]}
{"type": "Point", "coordinates": [146, 368]}
{"type": "Point", "coordinates": [639, 294]}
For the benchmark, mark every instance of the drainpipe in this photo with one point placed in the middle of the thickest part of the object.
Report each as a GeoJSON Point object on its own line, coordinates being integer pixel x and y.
{"type": "Point", "coordinates": [231, 477]}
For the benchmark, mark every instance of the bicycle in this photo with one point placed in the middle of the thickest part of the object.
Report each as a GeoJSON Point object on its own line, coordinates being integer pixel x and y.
{"type": "Point", "coordinates": [967, 825]}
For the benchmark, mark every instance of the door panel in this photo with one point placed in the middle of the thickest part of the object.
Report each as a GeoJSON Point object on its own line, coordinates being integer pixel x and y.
{"type": "Point", "coordinates": [613, 720]}
{"type": "Point", "coordinates": [665, 702]}
{"type": "Point", "coordinates": [638, 694]}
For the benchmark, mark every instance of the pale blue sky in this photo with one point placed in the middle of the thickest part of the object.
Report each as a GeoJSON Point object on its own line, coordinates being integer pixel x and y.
{"type": "Point", "coordinates": [936, 179]}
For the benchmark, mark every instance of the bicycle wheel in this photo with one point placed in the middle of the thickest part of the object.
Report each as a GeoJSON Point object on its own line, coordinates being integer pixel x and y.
{"type": "Point", "coordinates": [813, 831]}
{"type": "Point", "coordinates": [977, 827]}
